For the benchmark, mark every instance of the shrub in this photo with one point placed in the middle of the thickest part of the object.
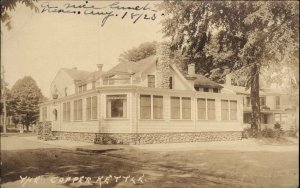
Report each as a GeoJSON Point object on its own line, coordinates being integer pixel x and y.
{"type": "Point", "coordinates": [247, 132]}
{"type": "Point", "coordinates": [270, 133]}
{"type": "Point", "coordinates": [277, 125]}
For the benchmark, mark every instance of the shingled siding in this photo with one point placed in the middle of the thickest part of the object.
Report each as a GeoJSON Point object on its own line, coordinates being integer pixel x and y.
{"type": "Point", "coordinates": [149, 138]}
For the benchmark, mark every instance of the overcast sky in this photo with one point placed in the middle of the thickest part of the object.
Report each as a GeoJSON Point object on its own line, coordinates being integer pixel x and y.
{"type": "Point", "coordinates": [39, 44]}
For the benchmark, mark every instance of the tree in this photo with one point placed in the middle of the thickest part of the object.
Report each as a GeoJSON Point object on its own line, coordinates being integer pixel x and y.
{"type": "Point", "coordinates": [144, 50]}
{"type": "Point", "coordinates": [244, 38]}
{"type": "Point", "coordinates": [10, 5]}
{"type": "Point", "coordinates": [25, 98]}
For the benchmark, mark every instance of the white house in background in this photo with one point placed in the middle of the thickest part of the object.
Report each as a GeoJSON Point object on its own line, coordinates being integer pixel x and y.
{"type": "Point", "coordinates": [276, 106]}
{"type": "Point", "coordinates": [141, 102]}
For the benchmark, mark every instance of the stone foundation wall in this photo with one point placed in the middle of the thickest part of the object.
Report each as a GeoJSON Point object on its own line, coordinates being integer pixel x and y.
{"type": "Point", "coordinates": [44, 130]}
{"type": "Point", "coordinates": [148, 138]}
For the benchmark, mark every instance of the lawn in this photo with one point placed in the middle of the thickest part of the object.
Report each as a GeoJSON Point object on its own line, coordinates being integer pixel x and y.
{"type": "Point", "coordinates": [189, 168]}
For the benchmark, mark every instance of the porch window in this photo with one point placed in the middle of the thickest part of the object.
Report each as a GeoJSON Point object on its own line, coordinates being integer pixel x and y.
{"type": "Point", "coordinates": [224, 110]}
{"type": "Point", "coordinates": [66, 111]}
{"type": "Point", "coordinates": [211, 111]}
{"type": "Point", "coordinates": [44, 113]}
{"type": "Point", "coordinates": [233, 110]}
{"type": "Point", "coordinates": [277, 102]}
{"type": "Point", "coordinates": [91, 108]}
{"type": "Point", "coordinates": [262, 101]}
{"type": "Point", "coordinates": [78, 109]}
{"type": "Point", "coordinates": [151, 81]}
{"type": "Point", "coordinates": [157, 107]}
{"type": "Point", "coordinates": [175, 107]}
{"type": "Point", "coordinates": [206, 89]}
{"type": "Point", "coordinates": [145, 106]}
{"type": "Point", "coordinates": [201, 107]}
{"type": "Point", "coordinates": [248, 101]}
{"type": "Point", "coordinates": [186, 108]}
{"type": "Point", "coordinates": [116, 106]}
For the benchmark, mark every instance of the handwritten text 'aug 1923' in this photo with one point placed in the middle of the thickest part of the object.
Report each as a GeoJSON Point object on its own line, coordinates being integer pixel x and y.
{"type": "Point", "coordinates": [134, 13]}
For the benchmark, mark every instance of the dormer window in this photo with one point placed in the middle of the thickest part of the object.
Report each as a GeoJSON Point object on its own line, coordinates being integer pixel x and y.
{"type": "Point", "coordinates": [151, 81]}
{"type": "Point", "coordinates": [82, 88]}
{"type": "Point", "coordinates": [215, 90]}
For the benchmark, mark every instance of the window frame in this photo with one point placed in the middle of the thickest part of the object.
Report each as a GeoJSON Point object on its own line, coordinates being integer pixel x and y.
{"type": "Point", "coordinates": [150, 81]}
{"type": "Point", "coordinates": [125, 113]}
{"type": "Point", "coordinates": [152, 113]}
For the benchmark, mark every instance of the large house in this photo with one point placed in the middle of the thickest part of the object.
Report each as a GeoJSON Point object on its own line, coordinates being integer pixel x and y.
{"type": "Point", "coordinates": [149, 101]}
{"type": "Point", "coordinates": [276, 106]}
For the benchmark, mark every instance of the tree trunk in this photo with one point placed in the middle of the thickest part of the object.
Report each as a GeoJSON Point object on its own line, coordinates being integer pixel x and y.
{"type": "Point", "coordinates": [255, 101]}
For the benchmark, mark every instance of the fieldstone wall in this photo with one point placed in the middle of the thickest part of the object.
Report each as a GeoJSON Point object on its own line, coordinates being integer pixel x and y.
{"type": "Point", "coordinates": [44, 130]}
{"type": "Point", "coordinates": [76, 136]}
{"type": "Point", "coordinates": [149, 138]}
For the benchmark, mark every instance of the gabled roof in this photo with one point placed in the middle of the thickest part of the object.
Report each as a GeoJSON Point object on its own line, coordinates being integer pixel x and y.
{"type": "Point", "coordinates": [202, 81]}
{"type": "Point", "coordinates": [77, 74]}
{"type": "Point", "coordinates": [133, 67]}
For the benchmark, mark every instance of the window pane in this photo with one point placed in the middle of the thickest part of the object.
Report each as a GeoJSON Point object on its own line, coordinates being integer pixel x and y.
{"type": "Point", "coordinates": [201, 105]}
{"type": "Point", "coordinates": [94, 107]}
{"type": "Point", "coordinates": [157, 107]}
{"type": "Point", "coordinates": [68, 111]}
{"type": "Point", "coordinates": [116, 106]}
{"type": "Point", "coordinates": [151, 81]}
{"type": "Point", "coordinates": [186, 108]}
{"type": "Point", "coordinates": [175, 108]}
{"type": "Point", "coordinates": [211, 113]}
{"type": "Point", "coordinates": [79, 103]}
{"type": "Point", "coordinates": [170, 82]}
{"type": "Point", "coordinates": [224, 110]}
{"type": "Point", "coordinates": [145, 106]}
{"type": "Point", "coordinates": [88, 108]}
{"type": "Point", "coordinates": [75, 110]}
{"type": "Point", "coordinates": [64, 111]}
{"type": "Point", "coordinates": [233, 110]}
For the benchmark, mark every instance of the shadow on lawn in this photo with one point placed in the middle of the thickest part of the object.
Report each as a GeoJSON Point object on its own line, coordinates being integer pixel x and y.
{"type": "Point", "coordinates": [61, 163]}
{"type": "Point", "coordinates": [166, 169]}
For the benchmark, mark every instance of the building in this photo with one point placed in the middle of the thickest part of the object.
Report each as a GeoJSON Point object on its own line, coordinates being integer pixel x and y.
{"type": "Point", "coordinates": [276, 106]}
{"type": "Point", "coordinates": [149, 101]}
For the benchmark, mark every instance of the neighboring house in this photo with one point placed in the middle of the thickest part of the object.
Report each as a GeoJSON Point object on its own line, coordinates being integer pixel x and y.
{"type": "Point", "coordinates": [141, 102]}
{"type": "Point", "coordinates": [276, 106]}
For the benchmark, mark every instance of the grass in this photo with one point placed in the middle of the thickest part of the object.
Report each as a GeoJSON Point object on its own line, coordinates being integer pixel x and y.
{"type": "Point", "coordinates": [162, 169]}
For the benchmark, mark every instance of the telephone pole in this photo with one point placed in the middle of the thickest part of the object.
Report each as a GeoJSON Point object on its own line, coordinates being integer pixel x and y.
{"type": "Point", "coordinates": [3, 99]}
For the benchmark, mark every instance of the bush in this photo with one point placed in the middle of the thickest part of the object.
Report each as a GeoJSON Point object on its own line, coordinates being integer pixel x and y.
{"type": "Point", "coordinates": [247, 133]}
{"type": "Point", "coordinates": [277, 125]}
{"type": "Point", "coordinates": [270, 133]}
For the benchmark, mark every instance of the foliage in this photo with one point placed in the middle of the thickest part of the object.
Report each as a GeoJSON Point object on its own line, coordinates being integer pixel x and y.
{"type": "Point", "coordinates": [144, 50]}
{"type": "Point", "coordinates": [245, 38]}
{"type": "Point", "coordinates": [24, 101]}
{"type": "Point", "coordinates": [272, 133]}
{"type": "Point", "coordinates": [10, 5]}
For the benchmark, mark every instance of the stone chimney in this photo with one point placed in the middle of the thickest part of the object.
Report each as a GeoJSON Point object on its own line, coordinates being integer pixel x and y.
{"type": "Point", "coordinates": [163, 65]}
{"type": "Point", "coordinates": [100, 66]}
{"type": "Point", "coordinates": [191, 69]}
{"type": "Point", "coordinates": [228, 79]}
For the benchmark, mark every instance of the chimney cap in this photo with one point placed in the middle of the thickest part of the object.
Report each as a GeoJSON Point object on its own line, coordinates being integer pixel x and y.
{"type": "Point", "coordinates": [99, 66]}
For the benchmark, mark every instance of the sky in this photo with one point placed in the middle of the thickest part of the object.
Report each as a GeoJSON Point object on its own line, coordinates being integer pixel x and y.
{"type": "Point", "coordinates": [39, 44]}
